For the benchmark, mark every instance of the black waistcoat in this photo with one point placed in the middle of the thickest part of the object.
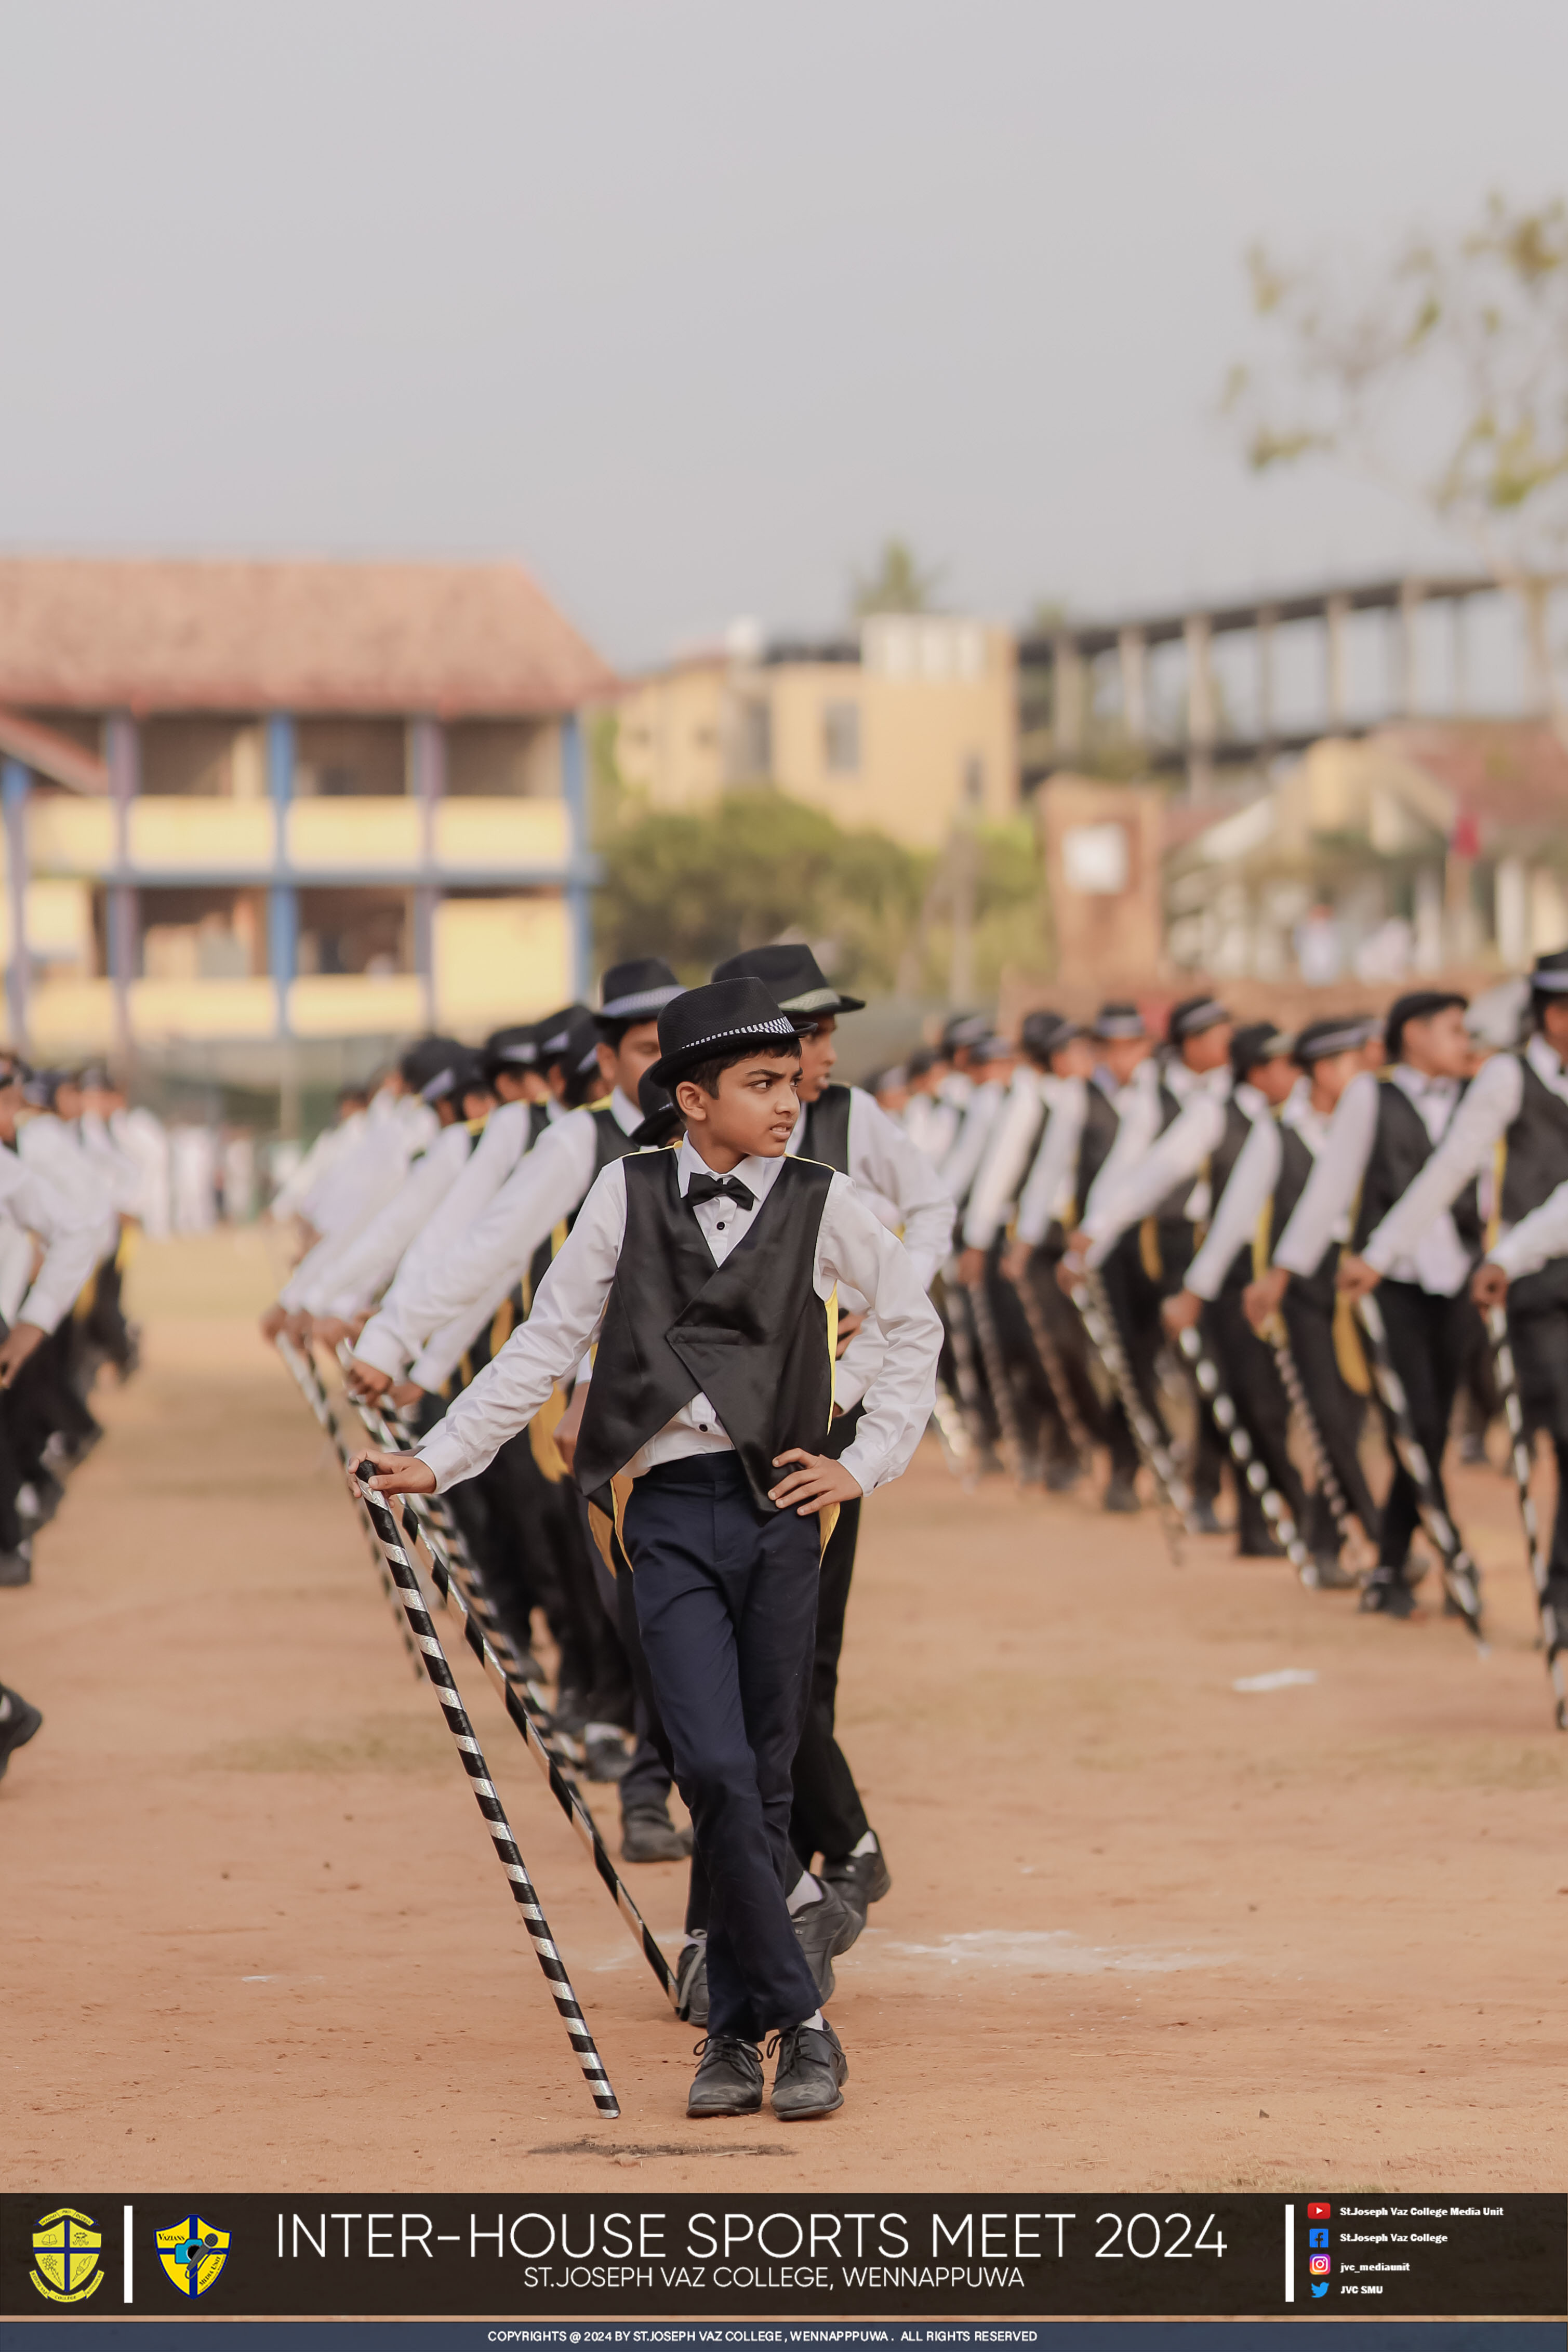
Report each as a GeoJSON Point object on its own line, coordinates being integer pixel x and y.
{"type": "Point", "coordinates": [1222, 1168]}
{"type": "Point", "coordinates": [751, 1335]}
{"type": "Point", "coordinates": [1296, 1164]}
{"type": "Point", "coordinates": [1401, 1148]}
{"type": "Point", "coordinates": [827, 1129]}
{"type": "Point", "coordinates": [610, 1142]}
{"type": "Point", "coordinates": [1095, 1140]}
{"type": "Point", "coordinates": [1171, 1213]}
{"type": "Point", "coordinates": [1535, 1162]}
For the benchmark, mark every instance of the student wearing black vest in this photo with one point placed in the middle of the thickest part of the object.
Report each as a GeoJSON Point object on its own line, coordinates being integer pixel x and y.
{"type": "Point", "coordinates": [846, 1130]}
{"type": "Point", "coordinates": [1531, 1261]}
{"type": "Point", "coordinates": [1384, 1132]}
{"type": "Point", "coordinates": [1243, 1171]}
{"type": "Point", "coordinates": [713, 1389]}
{"type": "Point", "coordinates": [1324, 1341]}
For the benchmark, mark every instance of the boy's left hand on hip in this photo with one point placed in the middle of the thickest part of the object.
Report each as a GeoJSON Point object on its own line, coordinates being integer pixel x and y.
{"type": "Point", "coordinates": [817, 1484]}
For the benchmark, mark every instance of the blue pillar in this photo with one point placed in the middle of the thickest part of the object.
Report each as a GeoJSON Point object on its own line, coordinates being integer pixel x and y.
{"type": "Point", "coordinates": [427, 782]}
{"type": "Point", "coordinates": [580, 869]}
{"type": "Point", "coordinates": [122, 751]}
{"type": "Point", "coordinates": [15, 785]}
{"type": "Point", "coordinates": [283, 903]}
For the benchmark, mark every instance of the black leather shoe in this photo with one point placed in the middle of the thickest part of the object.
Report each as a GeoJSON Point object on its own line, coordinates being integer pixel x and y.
{"type": "Point", "coordinates": [1121, 1495]}
{"type": "Point", "coordinates": [606, 1755]}
{"type": "Point", "coordinates": [19, 1725]}
{"type": "Point", "coordinates": [1331, 1576]}
{"type": "Point", "coordinates": [811, 2067]}
{"type": "Point", "coordinates": [729, 2077]}
{"type": "Point", "coordinates": [691, 1982]}
{"type": "Point", "coordinates": [822, 1928]}
{"type": "Point", "coordinates": [1061, 1477]}
{"type": "Point", "coordinates": [17, 1566]}
{"type": "Point", "coordinates": [647, 1834]}
{"type": "Point", "coordinates": [1386, 1594]}
{"type": "Point", "coordinates": [860, 1880]}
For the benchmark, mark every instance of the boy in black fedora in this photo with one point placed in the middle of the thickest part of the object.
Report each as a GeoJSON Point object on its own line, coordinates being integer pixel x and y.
{"type": "Point", "coordinates": [710, 1274]}
{"type": "Point", "coordinates": [846, 1128]}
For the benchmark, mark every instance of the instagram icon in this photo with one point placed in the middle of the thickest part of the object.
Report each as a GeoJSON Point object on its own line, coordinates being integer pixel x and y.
{"type": "Point", "coordinates": [1320, 2266]}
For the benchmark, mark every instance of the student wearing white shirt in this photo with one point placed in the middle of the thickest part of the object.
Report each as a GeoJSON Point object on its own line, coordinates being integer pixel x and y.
{"type": "Point", "coordinates": [1384, 1133]}
{"type": "Point", "coordinates": [721, 1522]}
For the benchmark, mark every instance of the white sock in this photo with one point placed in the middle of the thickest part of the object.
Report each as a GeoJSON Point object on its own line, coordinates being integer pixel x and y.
{"type": "Point", "coordinates": [806, 1890]}
{"type": "Point", "coordinates": [866, 1845]}
{"type": "Point", "coordinates": [4, 1706]}
{"type": "Point", "coordinates": [812, 2024]}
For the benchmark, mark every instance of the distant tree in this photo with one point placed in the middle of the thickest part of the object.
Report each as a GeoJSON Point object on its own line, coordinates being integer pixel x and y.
{"type": "Point", "coordinates": [1441, 371]}
{"type": "Point", "coordinates": [899, 585]}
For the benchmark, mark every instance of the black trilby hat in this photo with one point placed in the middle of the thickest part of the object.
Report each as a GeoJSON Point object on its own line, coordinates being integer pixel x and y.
{"type": "Point", "coordinates": [571, 1037]}
{"type": "Point", "coordinates": [1259, 1041]}
{"type": "Point", "coordinates": [514, 1048]}
{"type": "Point", "coordinates": [1117, 1020]}
{"type": "Point", "coordinates": [966, 1029]}
{"type": "Point", "coordinates": [1044, 1034]}
{"type": "Point", "coordinates": [637, 991]}
{"type": "Point", "coordinates": [1192, 1016]}
{"type": "Point", "coordinates": [795, 977]}
{"type": "Point", "coordinates": [1550, 973]}
{"type": "Point", "coordinates": [465, 1074]}
{"type": "Point", "coordinates": [724, 1017]}
{"type": "Point", "coordinates": [1319, 1040]}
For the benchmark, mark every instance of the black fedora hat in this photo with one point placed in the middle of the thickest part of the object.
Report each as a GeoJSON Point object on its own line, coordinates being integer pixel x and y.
{"type": "Point", "coordinates": [794, 976]}
{"type": "Point", "coordinates": [637, 990]}
{"type": "Point", "coordinates": [660, 1113]}
{"type": "Point", "coordinates": [725, 1017]}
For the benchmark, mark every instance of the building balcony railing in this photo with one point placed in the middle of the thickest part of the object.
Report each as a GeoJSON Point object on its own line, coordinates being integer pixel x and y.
{"type": "Point", "coordinates": [354, 839]}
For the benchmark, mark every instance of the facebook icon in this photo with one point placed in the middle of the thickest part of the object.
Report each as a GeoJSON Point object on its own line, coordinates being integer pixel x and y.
{"type": "Point", "coordinates": [1317, 2237]}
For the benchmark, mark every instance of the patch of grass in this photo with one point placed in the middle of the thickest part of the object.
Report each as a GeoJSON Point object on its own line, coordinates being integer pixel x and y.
{"type": "Point", "coordinates": [376, 1743]}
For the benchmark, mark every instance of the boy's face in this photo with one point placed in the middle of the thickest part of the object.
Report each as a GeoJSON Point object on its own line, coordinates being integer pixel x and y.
{"type": "Point", "coordinates": [622, 1065]}
{"type": "Point", "coordinates": [1439, 1046]}
{"type": "Point", "coordinates": [752, 1115]}
{"type": "Point", "coordinates": [1208, 1049]}
{"type": "Point", "coordinates": [1332, 1074]}
{"type": "Point", "coordinates": [817, 1056]}
{"type": "Point", "coordinates": [1075, 1059]}
{"type": "Point", "coordinates": [1121, 1056]}
{"type": "Point", "coordinates": [478, 1103]}
{"type": "Point", "coordinates": [1274, 1079]}
{"type": "Point", "coordinates": [520, 1085]}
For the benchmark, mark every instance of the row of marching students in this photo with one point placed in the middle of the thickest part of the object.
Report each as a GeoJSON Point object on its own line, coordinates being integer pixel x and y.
{"type": "Point", "coordinates": [1254, 1186]}
{"type": "Point", "coordinates": [441, 1264]}
{"type": "Point", "coordinates": [69, 1193]}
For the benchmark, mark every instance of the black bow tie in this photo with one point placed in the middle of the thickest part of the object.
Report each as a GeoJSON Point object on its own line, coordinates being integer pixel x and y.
{"type": "Point", "coordinates": [714, 1188]}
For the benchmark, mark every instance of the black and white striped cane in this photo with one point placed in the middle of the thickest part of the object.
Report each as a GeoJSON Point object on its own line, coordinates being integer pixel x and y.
{"type": "Point", "coordinates": [951, 1427]}
{"type": "Point", "coordinates": [489, 1804]}
{"type": "Point", "coordinates": [966, 1379]}
{"type": "Point", "coordinates": [998, 1379]}
{"type": "Point", "coordinates": [1055, 1370]}
{"type": "Point", "coordinates": [524, 1718]}
{"type": "Point", "coordinates": [1460, 1576]}
{"type": "Point", "coordinates": [315, 1396]}
{"type": "Point", "coordinates": [1243, 1453]}
{"type": "Point", "coordinates": [1352, 1537]}
{"type": "Point", "coordinates": [1170, 1487]}
{"type": "Point", "coordinates": [1553, 1632]}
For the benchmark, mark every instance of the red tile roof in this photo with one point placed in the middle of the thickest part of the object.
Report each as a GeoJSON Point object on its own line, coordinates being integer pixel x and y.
{"type": "Point", "coordinates": [443, 640]}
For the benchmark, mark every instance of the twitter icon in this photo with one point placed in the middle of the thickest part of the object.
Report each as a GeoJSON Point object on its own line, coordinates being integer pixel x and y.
{"type": "Point", "coordinates": [1320, 2288]}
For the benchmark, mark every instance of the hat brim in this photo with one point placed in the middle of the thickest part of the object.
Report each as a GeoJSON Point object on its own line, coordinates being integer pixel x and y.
{"type": "Point", "coordinates": [818, 1001]}
{"type": "Point", "coordinates": [669, 1071]}
{"type": "Point", "coordinates": [659, 1127]}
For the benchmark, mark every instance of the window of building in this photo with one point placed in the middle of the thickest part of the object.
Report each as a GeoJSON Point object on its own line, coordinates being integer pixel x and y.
{"type": "Point", "coordinates": [841, 738]}
{"type": "Point", "coordinates": [339, 757]}
{"type": "Point", "coordinates": [1096, 859]}
{"type": "Point", "coordinates": [205, 758]}
{"type": "Point", "coordinates": [753, 742]}
{"type": "Point", "coordinates": [502, 758]}
{"type": "Point", "coordinates": [368, 931]}
{"type": "Point", "coordinates": [201, 934]}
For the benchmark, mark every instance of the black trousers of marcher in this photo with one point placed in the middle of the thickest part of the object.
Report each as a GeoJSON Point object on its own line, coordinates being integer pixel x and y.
{"type": "Point", "coordinates": [1340, 1412]}
{"type": "Point", "coordinates": [653, 1740]}
{"type": "Point", "coordinates": [726, 1601]}
{"type": "Point", "coordinates": [1064, 1325]}
{"type": "Point", "coordinates": [1253, 1384]}
{"type": "Point", "coordinates": [827, 1816]}
{"type": "Point", "coordinates": [1135, 1299]}
{"type": "Point", "coordinates": [1427, 1339]}
{"type": "Point", "coordinates": [1538, 1329]}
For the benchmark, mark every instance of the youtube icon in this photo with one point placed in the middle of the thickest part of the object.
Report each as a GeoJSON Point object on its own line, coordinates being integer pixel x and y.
{"type": "Point", "coordinates": [1319, 2212]}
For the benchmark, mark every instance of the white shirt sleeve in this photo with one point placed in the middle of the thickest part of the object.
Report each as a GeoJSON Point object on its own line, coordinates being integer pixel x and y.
{"type": "Point", "coordinates": [958, 1169]}
{"type": "Point", "coordinates": [1490, 1107]}
{"type": "Point", "coordinates": [1142, 1185]}
{"type": "Point", "coordinates": [1536, 1239]}
{"type": "Point", "coordinates": [494, 1158]}
{"type": "Point", "coordinates": [70, 1229]}
{"type": "Point", "coordinates": [1004, 1163]}
{"type": "Point", "coordinates": [1337, 1172]}
{"type": "Point", "coordinates": [855, 1249]}
{"type": "Point", "coordinates": [1048, 1179]}
{"type": "Point", "coordinates": [564, 1318]}
{"type": "Point", "coordinates": [882, 1156]}
{"type": "Point", "coordinates": [1242, 1202]}
{"type": "Point", "coordinates": [363, 1266]}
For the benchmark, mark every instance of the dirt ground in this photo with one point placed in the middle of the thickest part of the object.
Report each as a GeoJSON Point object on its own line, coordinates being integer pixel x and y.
{"type": "Point", "coordinates": [1147, 1930]}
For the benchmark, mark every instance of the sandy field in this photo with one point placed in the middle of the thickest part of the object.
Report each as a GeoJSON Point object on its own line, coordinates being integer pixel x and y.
{"type": "Point", "coordinates": [1147, 1931]}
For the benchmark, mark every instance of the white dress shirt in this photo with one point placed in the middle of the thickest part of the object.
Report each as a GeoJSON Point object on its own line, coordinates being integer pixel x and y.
{"type": "Point", "coordinates": [1491, 1103]}
{"type": "Point", "coordinates": [1140, 1184]}
{"type": "Point", "coordinates": [853, 1248]}
{"type": "Point", "coordinates": [1049, 1188]}
{"type": "Point", "coordinates": [1138, 1112]}
{"type": "Point", "coordinates": [1536, 1239]}
{"type": "Point", "coordinates": [962, 1163]}
{"type": "Point", "coordinates": [930, 1124]}
{"type": "Point", "coordinates": [1006, 1158]}
{"type": "Point", "coordinates": [427, 1323]}
{"type": "Point", "coordinates": [364, 1179]}
{"type": "Point", "coordinates": [897, 1182]}
{"type": "Point", "coordinates": [1243, 1201]}
{"type": "Point", "coordinates": [69, 1226]}
{"type": "Point", "coordinates": [347, 1272]}
{"type": "Point", "coordinates": [332, 1144]}
{"type": "Point", "coordinates": [1438, 1263]}
{"type": "Point", "coordinates": [54, 1150]}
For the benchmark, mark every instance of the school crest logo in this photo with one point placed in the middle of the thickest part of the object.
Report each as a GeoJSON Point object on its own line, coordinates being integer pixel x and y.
{"type": "Point", "coordinates": [65, 2247]}
{"type": "Point", "coordinates": [193, 2252]}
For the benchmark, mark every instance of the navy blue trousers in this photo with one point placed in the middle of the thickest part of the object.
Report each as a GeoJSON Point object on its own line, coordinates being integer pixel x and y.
{"type": "Point", "coordinates": [726, 1603]}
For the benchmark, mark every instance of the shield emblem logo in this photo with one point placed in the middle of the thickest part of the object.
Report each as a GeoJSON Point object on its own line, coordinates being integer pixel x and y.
{"type": "Point", "coordinates": [65, 2247]}
{"type": "Point", "coordinates": [193, 2252]}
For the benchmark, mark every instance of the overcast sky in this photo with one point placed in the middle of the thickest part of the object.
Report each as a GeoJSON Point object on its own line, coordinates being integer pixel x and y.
{"type": "Point", "coordinates": [689, 303]}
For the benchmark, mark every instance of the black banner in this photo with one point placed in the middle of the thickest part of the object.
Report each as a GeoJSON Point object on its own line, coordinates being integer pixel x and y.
{"type": "Point", "coordinates": [633, 2259]}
